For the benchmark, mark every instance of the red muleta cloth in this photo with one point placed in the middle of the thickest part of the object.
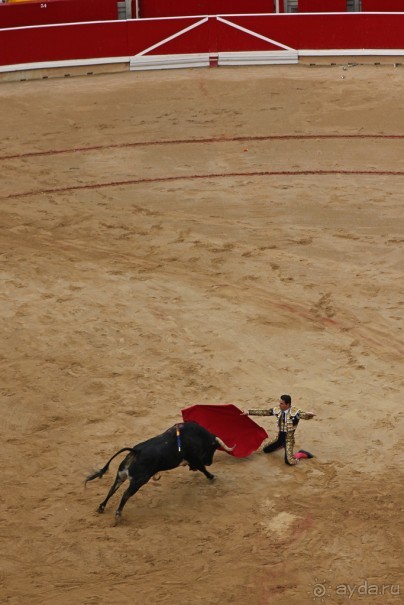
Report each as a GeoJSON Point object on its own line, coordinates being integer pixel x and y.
{"type": "Point", "coordinates": [228, 422]}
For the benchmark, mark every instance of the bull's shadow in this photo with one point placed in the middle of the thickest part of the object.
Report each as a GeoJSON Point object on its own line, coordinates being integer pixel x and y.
{"type": "Point", "coordinates": [187, 443]}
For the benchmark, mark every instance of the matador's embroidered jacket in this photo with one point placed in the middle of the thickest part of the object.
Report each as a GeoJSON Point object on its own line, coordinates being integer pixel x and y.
{"type": "Point", "coordinates": [287, 423]}
{"type": "Point", "coordinates": [293, 415]}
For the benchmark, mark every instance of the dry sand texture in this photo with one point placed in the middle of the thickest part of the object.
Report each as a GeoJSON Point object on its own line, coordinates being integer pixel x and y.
{"type": "Point", "coordinates": [237, 280]}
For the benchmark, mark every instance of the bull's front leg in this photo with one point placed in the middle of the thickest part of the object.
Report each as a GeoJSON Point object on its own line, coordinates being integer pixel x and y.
{"type": "Point", "coordinates": [207, 474]}
{"type": "Point", "coordinates": [197, 465]}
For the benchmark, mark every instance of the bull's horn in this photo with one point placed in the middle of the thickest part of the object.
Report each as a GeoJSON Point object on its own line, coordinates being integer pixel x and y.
{"type": "Point", "coordinates": [224, 446]}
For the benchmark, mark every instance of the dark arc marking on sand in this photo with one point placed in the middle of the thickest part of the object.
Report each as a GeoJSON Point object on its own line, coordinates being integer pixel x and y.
{"type": "Point", "coordinates": [223, 139]}
{"type": "Point", "coordinates": [207, 177]}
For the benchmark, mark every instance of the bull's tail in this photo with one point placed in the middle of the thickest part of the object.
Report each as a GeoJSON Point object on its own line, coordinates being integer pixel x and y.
{"type": "Point", "coordinates": [104, 469]}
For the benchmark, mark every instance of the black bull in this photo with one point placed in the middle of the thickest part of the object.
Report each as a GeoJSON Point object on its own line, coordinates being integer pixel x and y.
{"type": "Point", "coordinates": [187, 443]}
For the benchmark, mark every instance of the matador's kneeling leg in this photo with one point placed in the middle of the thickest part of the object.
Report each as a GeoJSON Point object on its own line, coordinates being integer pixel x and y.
{"type": "Point", "coordinates": [275, 444]}
{"type": "Point", "coordinates": [289, 445]}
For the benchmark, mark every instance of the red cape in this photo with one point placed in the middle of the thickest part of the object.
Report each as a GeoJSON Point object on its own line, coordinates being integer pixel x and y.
{"type": "Point", "coordinates": [227, 422]}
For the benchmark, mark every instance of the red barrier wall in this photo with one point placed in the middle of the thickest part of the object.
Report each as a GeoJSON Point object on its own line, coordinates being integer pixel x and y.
{"type": "Point", "coordinates": [57, 11]}
{"type": "Point", "coordinates": [383, 6]}
{"type": "Point", "coordinates": [63, 42]}
{"type": "Point", "coordinates": [168, 8]}
{"type": "Point", "coordinates": [322, 6]}
{"type": "Point", "coordinates": [143, 34]}
{"type": "Point", "coordinates": [339, 31]}
{"type": "Point", "coordinates": [211, 35]}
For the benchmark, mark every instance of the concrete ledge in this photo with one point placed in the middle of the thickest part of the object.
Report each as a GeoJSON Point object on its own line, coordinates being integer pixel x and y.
{"type": "Point", "coordinates": [143, 62]}
{"type": "Point", "coordinates": [40, 71]}
{"type": "Point", "coordinates": [270, 57]}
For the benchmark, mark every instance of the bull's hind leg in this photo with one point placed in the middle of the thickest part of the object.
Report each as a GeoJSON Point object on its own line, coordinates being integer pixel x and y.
{"type": "Point", "coordinates": [119, 479]}
{"type": "Point", "coordinates": [134, 486]}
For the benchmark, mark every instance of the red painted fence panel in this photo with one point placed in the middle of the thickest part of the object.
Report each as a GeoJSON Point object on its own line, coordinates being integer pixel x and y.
{"type": "Point", "coordinates": [146, 34]}
{"type": "Point", "coordinates": [234, 40]}
{"type": "Point", "coordinates": [339, 31]}
{"type": "Point", "coordinates": [63, 42]}
{"type": "Point", "coordinates": [383, 6]}
{"type": "Point", "coordinates": [23, 14]}
{"type": "Point", "coordinates": [321, 6]}
{"type": "Point", "coordinates": [167, 8]}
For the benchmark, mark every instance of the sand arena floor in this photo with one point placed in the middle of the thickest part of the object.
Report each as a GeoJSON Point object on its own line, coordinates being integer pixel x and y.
{"type": "Point", "coordinates": [220, 236]}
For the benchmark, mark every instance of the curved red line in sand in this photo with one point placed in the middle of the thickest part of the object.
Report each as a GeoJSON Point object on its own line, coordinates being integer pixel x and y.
{"type": "Point", "coordinates": [207, 176]}
{"type": "Point", "coordinates": [275, 137]}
